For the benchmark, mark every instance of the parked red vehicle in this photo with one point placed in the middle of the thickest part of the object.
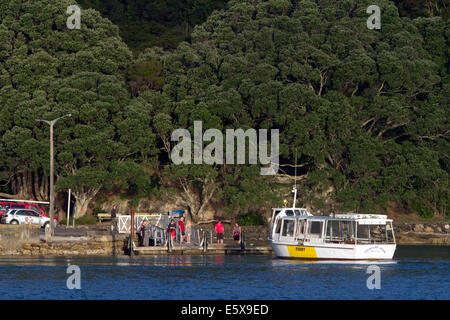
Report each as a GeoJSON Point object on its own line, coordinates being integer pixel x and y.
{"type": "Point", "coordinates": [19, 205]}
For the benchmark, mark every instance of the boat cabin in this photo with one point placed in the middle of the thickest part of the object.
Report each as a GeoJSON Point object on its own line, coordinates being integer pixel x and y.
{"type": "Point", "coordinates": [352, 228]}
{"type": "Point", "coordinates": [279, 213]}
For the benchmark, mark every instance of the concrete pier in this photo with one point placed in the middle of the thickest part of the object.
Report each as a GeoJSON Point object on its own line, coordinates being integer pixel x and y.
{"type": "Point", "coordinates": [13, 237]}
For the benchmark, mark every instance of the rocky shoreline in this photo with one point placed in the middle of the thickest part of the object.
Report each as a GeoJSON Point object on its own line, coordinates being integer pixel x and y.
{"type": "Point", "coordinates": [422, 233]}
{"type": "Point", "coordinates": [101, 245]}
{"type": "Point", "coordinates": [104, 244]}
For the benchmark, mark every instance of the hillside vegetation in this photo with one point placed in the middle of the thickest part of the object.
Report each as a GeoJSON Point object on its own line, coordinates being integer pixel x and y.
{"type": "Point", "coordinates": [363, 113]}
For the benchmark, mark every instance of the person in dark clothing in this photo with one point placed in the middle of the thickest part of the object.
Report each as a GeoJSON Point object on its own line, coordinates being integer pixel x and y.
{"type": "Point", "coordinates": [171, 229]}
{"type": "Point", "coordinates": [144, 232]}
{"type": "Point", "coordinates": [237, 232]}
{"type": "Point", "coordinates": [114, 211]}
{"type": "Point", "coordinates": [114, 226]}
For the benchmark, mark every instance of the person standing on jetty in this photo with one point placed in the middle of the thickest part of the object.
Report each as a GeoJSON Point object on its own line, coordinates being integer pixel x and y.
{"type": "Point", "coordinates": [188, 230]}
{"type": "Point", "coordinates": [219, 231]}
{"type": "Point", "coordinates": [171, 228]}
{"type": "Point", "coordinates": [237, 232]}
{"type": "Point", "coordinates": [114, 226]}
{"type": "Point", "coordinates": [182, 229]}
{"type": "Point", "coordinates": [144, 232]}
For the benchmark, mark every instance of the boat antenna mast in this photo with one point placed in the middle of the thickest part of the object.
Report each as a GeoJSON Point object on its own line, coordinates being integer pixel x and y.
{"type": "Point", "coordinates": [294, 190]}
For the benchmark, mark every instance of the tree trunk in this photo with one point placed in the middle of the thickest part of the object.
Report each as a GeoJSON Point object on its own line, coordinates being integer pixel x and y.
{"type": "Point", "coordinates": [82, 200]}
{"type": "Point", "coordinates": [43, 188]}
{"type": "Point", "coordinates": [81, 206]}
{"type": "Point", "coordinates": [45, 185]}
{"type": "Point", "coordinates": [23, 186]}
{"type": "Point", "coordinates": [29, 184]}
{"type": "Point", "coordinates": [20, 190]}
{"type": "Point", "coordinates": [37, 187]}
{"type": "Point", "coordinates": [9, 196]}
{"type": "Point", "coordinates": [195, 202]}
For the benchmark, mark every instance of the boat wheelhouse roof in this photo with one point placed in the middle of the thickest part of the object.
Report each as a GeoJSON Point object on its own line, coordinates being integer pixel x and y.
{"type": "Point", "coordinates": [360, 217]}
{"type": "Point", "coordinates": [291, 212]}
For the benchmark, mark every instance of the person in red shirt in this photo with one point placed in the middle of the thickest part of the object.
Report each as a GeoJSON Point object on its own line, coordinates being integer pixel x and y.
{"type": "Point", "coordinates": [219, 231]}
{"type": "Point", "coordinates": [182, 229]}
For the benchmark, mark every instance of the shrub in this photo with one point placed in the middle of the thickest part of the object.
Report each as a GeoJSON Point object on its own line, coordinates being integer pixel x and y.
{"type": "Point", "coordinates": [250, 219]}
{"type": "Point", "coordinates": [421, 209]}
{"type": "Point", "coordinates": [86, 220]}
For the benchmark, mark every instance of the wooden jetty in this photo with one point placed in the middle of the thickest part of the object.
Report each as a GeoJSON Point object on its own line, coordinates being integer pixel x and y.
{"type": "Point", "coordinates": [225, 249]}
{"type": "Point", "coordinates": [201, 244]}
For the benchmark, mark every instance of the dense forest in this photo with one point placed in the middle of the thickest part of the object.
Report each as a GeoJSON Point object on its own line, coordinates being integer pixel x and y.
{"type": "Point", "coordinates": [363, 114]}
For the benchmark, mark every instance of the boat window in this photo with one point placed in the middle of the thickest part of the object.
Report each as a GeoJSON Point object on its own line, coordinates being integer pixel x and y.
{"type": "Point", "coordinates": [333, 231]}
{"type": "Point", "coordinates": [363, 233]}
{"type": "Point", "coordinates": [297, 212]}
{"type": "Point", "coordinates": [300, 229]}
{"type": "Point", "coordinates": [347, 230]}
{"type": "Point", "coordinates": [278, 228]}
{"type": "Point", "coordinates": [375, 233]}
{"type": "Point", "coordinates": [276, 212]}
{"type": "Point", "coordinates": [289, 212]}
{"type": "Point", "coordinates": [288, 228]}
{"type": "Point", "coordinates": [315, 227]}
{"type": "Point", "coordinates": [389, 233]}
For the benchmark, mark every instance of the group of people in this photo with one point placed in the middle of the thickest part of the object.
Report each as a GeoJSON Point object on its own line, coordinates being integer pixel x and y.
{"type": "Point", "coordinates": [184, 227]}
{"type": "Point", "coordinates": [185, 230]}
{"type": "Point", "coordinates": [237, 232]}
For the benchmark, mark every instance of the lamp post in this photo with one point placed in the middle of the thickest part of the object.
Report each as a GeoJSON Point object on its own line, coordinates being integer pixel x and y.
{"type": "Point", "coordinates": [52, 186]}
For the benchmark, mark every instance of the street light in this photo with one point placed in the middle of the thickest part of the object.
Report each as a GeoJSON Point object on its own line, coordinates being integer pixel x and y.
{"type": "Point", "coordinates": [52, 187]}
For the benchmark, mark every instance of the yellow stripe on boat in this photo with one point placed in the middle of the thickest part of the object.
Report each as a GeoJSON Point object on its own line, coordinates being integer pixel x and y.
{"type": "Point", "coordinates": [302, 252]}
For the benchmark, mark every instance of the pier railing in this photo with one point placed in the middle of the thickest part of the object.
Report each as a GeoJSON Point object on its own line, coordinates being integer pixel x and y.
{"type": "Point", "coordinates": [157, 229]}
{"type": "Point", "coordinates": [194, 236]}
{"type": "Point", "coordinates": [124, 221]}
{"type": "Point", "coordinates": [158, 235]}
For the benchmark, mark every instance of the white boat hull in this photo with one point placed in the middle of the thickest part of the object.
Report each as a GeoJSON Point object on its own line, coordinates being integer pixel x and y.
{"type": "Point", "coordinates": [334, 251]}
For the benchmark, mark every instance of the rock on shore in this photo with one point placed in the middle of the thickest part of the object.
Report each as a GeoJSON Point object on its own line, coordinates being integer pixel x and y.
{"type": "Point", "coordinates": [422, 233]}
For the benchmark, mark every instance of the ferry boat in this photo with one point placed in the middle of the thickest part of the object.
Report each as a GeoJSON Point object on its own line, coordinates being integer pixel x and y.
{"type": "Point", "coordinates": [297, 234]}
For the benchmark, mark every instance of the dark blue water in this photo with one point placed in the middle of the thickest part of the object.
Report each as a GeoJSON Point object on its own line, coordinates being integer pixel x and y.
{"type": "Point", "coordinates": [416, 273]}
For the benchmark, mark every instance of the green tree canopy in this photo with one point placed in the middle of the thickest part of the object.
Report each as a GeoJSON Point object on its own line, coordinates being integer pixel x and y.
{"type": "Point", "coordinates": [48, 70]}
{"type": "Point", "coordinates": [367, 110]}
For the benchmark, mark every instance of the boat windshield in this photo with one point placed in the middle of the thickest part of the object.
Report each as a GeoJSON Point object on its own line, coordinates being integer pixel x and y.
{"type": "Point", "coordinates": [289, 213]}
{"type": "Point", "coordinates": [288, 228]}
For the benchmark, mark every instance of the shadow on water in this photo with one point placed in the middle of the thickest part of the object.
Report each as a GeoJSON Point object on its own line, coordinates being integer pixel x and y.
{"type": "Point", "coordinates": [279, 262]}
{"type": "Point", "coordinates": [422, 252]}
